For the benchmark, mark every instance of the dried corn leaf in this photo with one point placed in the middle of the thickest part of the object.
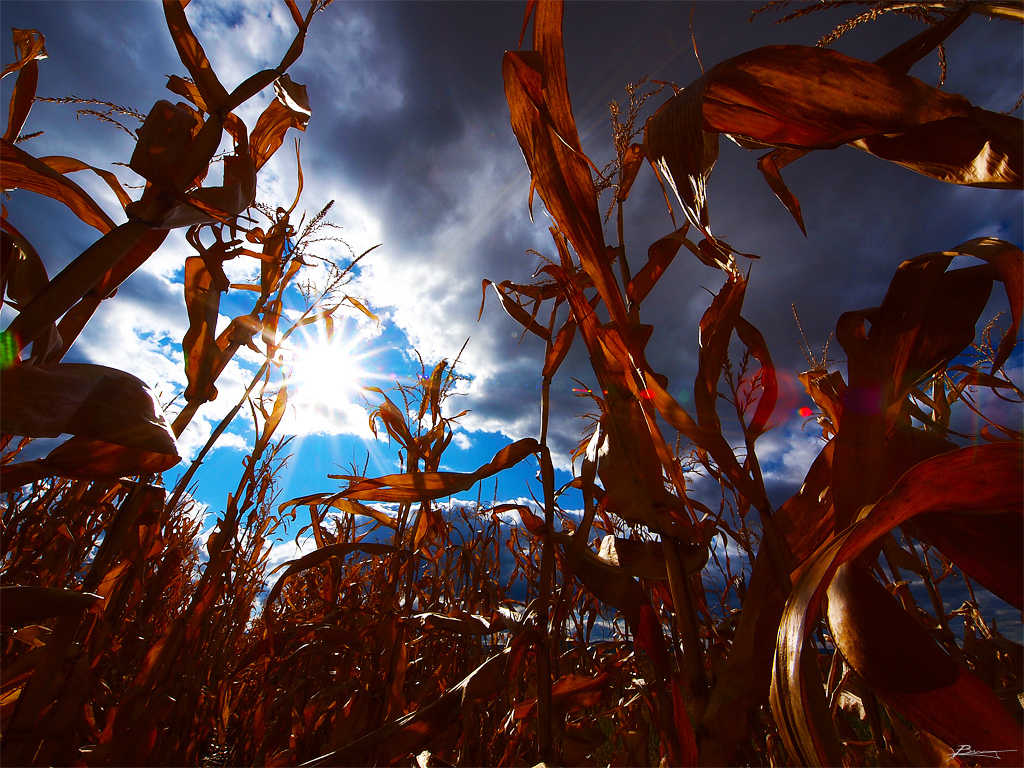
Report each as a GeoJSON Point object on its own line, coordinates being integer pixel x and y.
{"type": "Point", "coordinates": [659, 256]}
{"type": "Point", "coordinates": [427, 486]}
{"type": "Point", "coordinates": [69, 165]}
{"type": "Point", "coordinates": [459, 622]}
{"type": "Point", "coordinates": [925, 488]}
{"type": "Point", "coordinates": [904, 666]}
{"type": "Point", "coordinates": [314, 559]}
{"type": "Point", "coordinates": [538, 97]}
{"type": "Point", "coordinates": [758, 349]}
{"type": "Point", "coordinates": [985, 547]}
{"type": "Point", "coordinates": [84, 459]}
{"type": "Point", "coordinates": [202, 301]}
{"type": "Point", "coordinates": [74, 282]}
{"type": "Point", "coordinates": [569, 693]}
{"type": "Point", "coordinates": [515, 310]}
{"type": "Point", "coordinates": [71, 325]}
{"type": "Point", "coordinates": [91, 401]}
{"type": "Point", "coordinates": [802, 98]}
{"type": "Point", "coordinates": [289, 110]}
{"type": "Point", "coordinates": [192, 55]}
{"type": "Point", "coordinates": [347, 506]}
{"type": "Point", "coordinates": [22, 171]}
{"type": "Point", "coordinates": [560, 348]}
{"type": "Point", "coordinates": [1008, 261]}
{"type": "Point", "coordinates": [23, 274]}
{"type": "Point", "coordinates": [684, 154]}
{"type": "Point", "coordinates": [29, 43]}
{"type": "Point", "coordinates": [28, 605]}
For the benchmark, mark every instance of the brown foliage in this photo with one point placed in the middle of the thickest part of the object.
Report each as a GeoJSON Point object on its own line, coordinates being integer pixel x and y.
{"type": "Point", "coordinates": [431, 632]}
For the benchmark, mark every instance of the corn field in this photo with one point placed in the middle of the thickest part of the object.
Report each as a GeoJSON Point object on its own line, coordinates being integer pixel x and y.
{"type": "Point", "coordinates": [421, 631]}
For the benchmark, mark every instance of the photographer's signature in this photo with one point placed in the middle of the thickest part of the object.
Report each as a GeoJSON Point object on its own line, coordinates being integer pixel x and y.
{"type": "Point", "coordinates": [965, 750]}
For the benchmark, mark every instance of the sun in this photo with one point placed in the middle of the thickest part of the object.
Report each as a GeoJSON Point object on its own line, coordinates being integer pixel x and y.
{"type": "Point", "coordinates": [326, 371]}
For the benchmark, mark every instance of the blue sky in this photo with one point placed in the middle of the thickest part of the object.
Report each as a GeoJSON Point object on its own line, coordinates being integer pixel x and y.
{"type": "Point", "coordinates": [410, 137]}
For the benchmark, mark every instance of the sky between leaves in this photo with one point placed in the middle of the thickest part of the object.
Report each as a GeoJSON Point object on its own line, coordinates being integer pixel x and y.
{"type": "Point", "coordinates": [410, 137]}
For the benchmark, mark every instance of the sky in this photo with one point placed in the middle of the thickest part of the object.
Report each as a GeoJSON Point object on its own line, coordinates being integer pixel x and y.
{"type": "Point", "coordinates": [410, 138]}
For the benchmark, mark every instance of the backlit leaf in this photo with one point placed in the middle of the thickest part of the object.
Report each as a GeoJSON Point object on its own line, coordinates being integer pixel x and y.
{"type": "Point", "coordinates": [22, 171]}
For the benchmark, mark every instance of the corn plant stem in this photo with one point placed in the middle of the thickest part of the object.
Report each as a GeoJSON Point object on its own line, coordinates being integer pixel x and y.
{"type": "Point", "coordinates": [778, 552]}
{"type": "Point", "coordinates": [624, 271]}
{"type": "Point", "coordinates": [547, 566]}
{"type": "Point", "coordinates": [182, 484]}
{"type": "Point", "coordinates": [686, 622]}
{"type": "Point", "coordinates": [582, 531]}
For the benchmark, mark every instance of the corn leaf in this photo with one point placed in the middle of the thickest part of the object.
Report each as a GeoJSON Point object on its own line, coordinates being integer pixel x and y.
{"type": "Point", "coordinates": [22, 171]}
{"type": "Point", "coordinates": [922, 489]}
{"type": "Point", "coordinates": [30, 605]}
{"type": "Point", "coordinates": [427, 486]}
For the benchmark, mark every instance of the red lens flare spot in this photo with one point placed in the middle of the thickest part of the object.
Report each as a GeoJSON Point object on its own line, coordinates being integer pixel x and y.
{"type": "Point", "coordinates": [805, 412]}
{"type": "Point", "coordinates": [646, 394]}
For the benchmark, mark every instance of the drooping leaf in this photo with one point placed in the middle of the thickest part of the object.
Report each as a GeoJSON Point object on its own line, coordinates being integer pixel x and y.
{"type": "Point", "coordinates": [29, 44]}
{"type": "Point", "coordinates": [74, 282]}
{"type": "Point", "coordinates": [84, 459]}
{"type": "Point", "coordinates": [289, 110]}
{"type": "Point", "coordinates": [927, 487]}
{"type": "Point", "coordinates": [684, 154]}
{"type": "Point", "coordinates": [758, 349]}
{"type": "Point", "coordinates": [569, 693]}
{"type": "Point", "coordinates": [659, 256]}
{"type": "Point", "coordinates": [202, 301]}
{"type": "Point", "coordinates": [76, 318]}
{"type": "Point", "coordinates": [347, 506]}
{"type": "Point", "coordinates": [1008, 261]}
{"type": "Point", "coordinates": [314, 559]}
{"type": "Point", "coordinates": [516, 311]}
{"type": "Point", "coordinates": [903, 665]}
{"type": "Point", "coordinates": [798, 98]}
{"type": "Point", "coordinates": [459, 622]}
{"type": "Point", "coordinates": [30, 605]}
{"type": "Point", "coordinates": [91, 401]}
{"type": "Point", "coordinates": [985, 547]}
{"type": "Point", "coordinates": [65, 165]}
{"type": "Point", "coordinates": [22, 171]}
{"type": "Point", "coordinates": [427, 486]}
{"type": "Point", "coordinates": [118, 425]}
{"type": "Point", "coordinates": [560, 348]}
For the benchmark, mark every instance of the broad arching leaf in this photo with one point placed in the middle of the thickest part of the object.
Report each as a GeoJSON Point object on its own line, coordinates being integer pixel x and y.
{"type": "Point", "coordinates": [980, 480]}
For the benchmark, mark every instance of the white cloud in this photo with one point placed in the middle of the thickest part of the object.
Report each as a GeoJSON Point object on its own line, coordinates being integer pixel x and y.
{"type": "Point", "coordinates": [461, 440]}
{"type": "Point", "coordinates": [283, 551]}
{"type": "Point", "coordinates": [786, 452]}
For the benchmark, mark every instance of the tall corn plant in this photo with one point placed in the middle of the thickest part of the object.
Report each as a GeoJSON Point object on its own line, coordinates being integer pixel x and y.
{"type": "Point", "coordinates": [816, 625]}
